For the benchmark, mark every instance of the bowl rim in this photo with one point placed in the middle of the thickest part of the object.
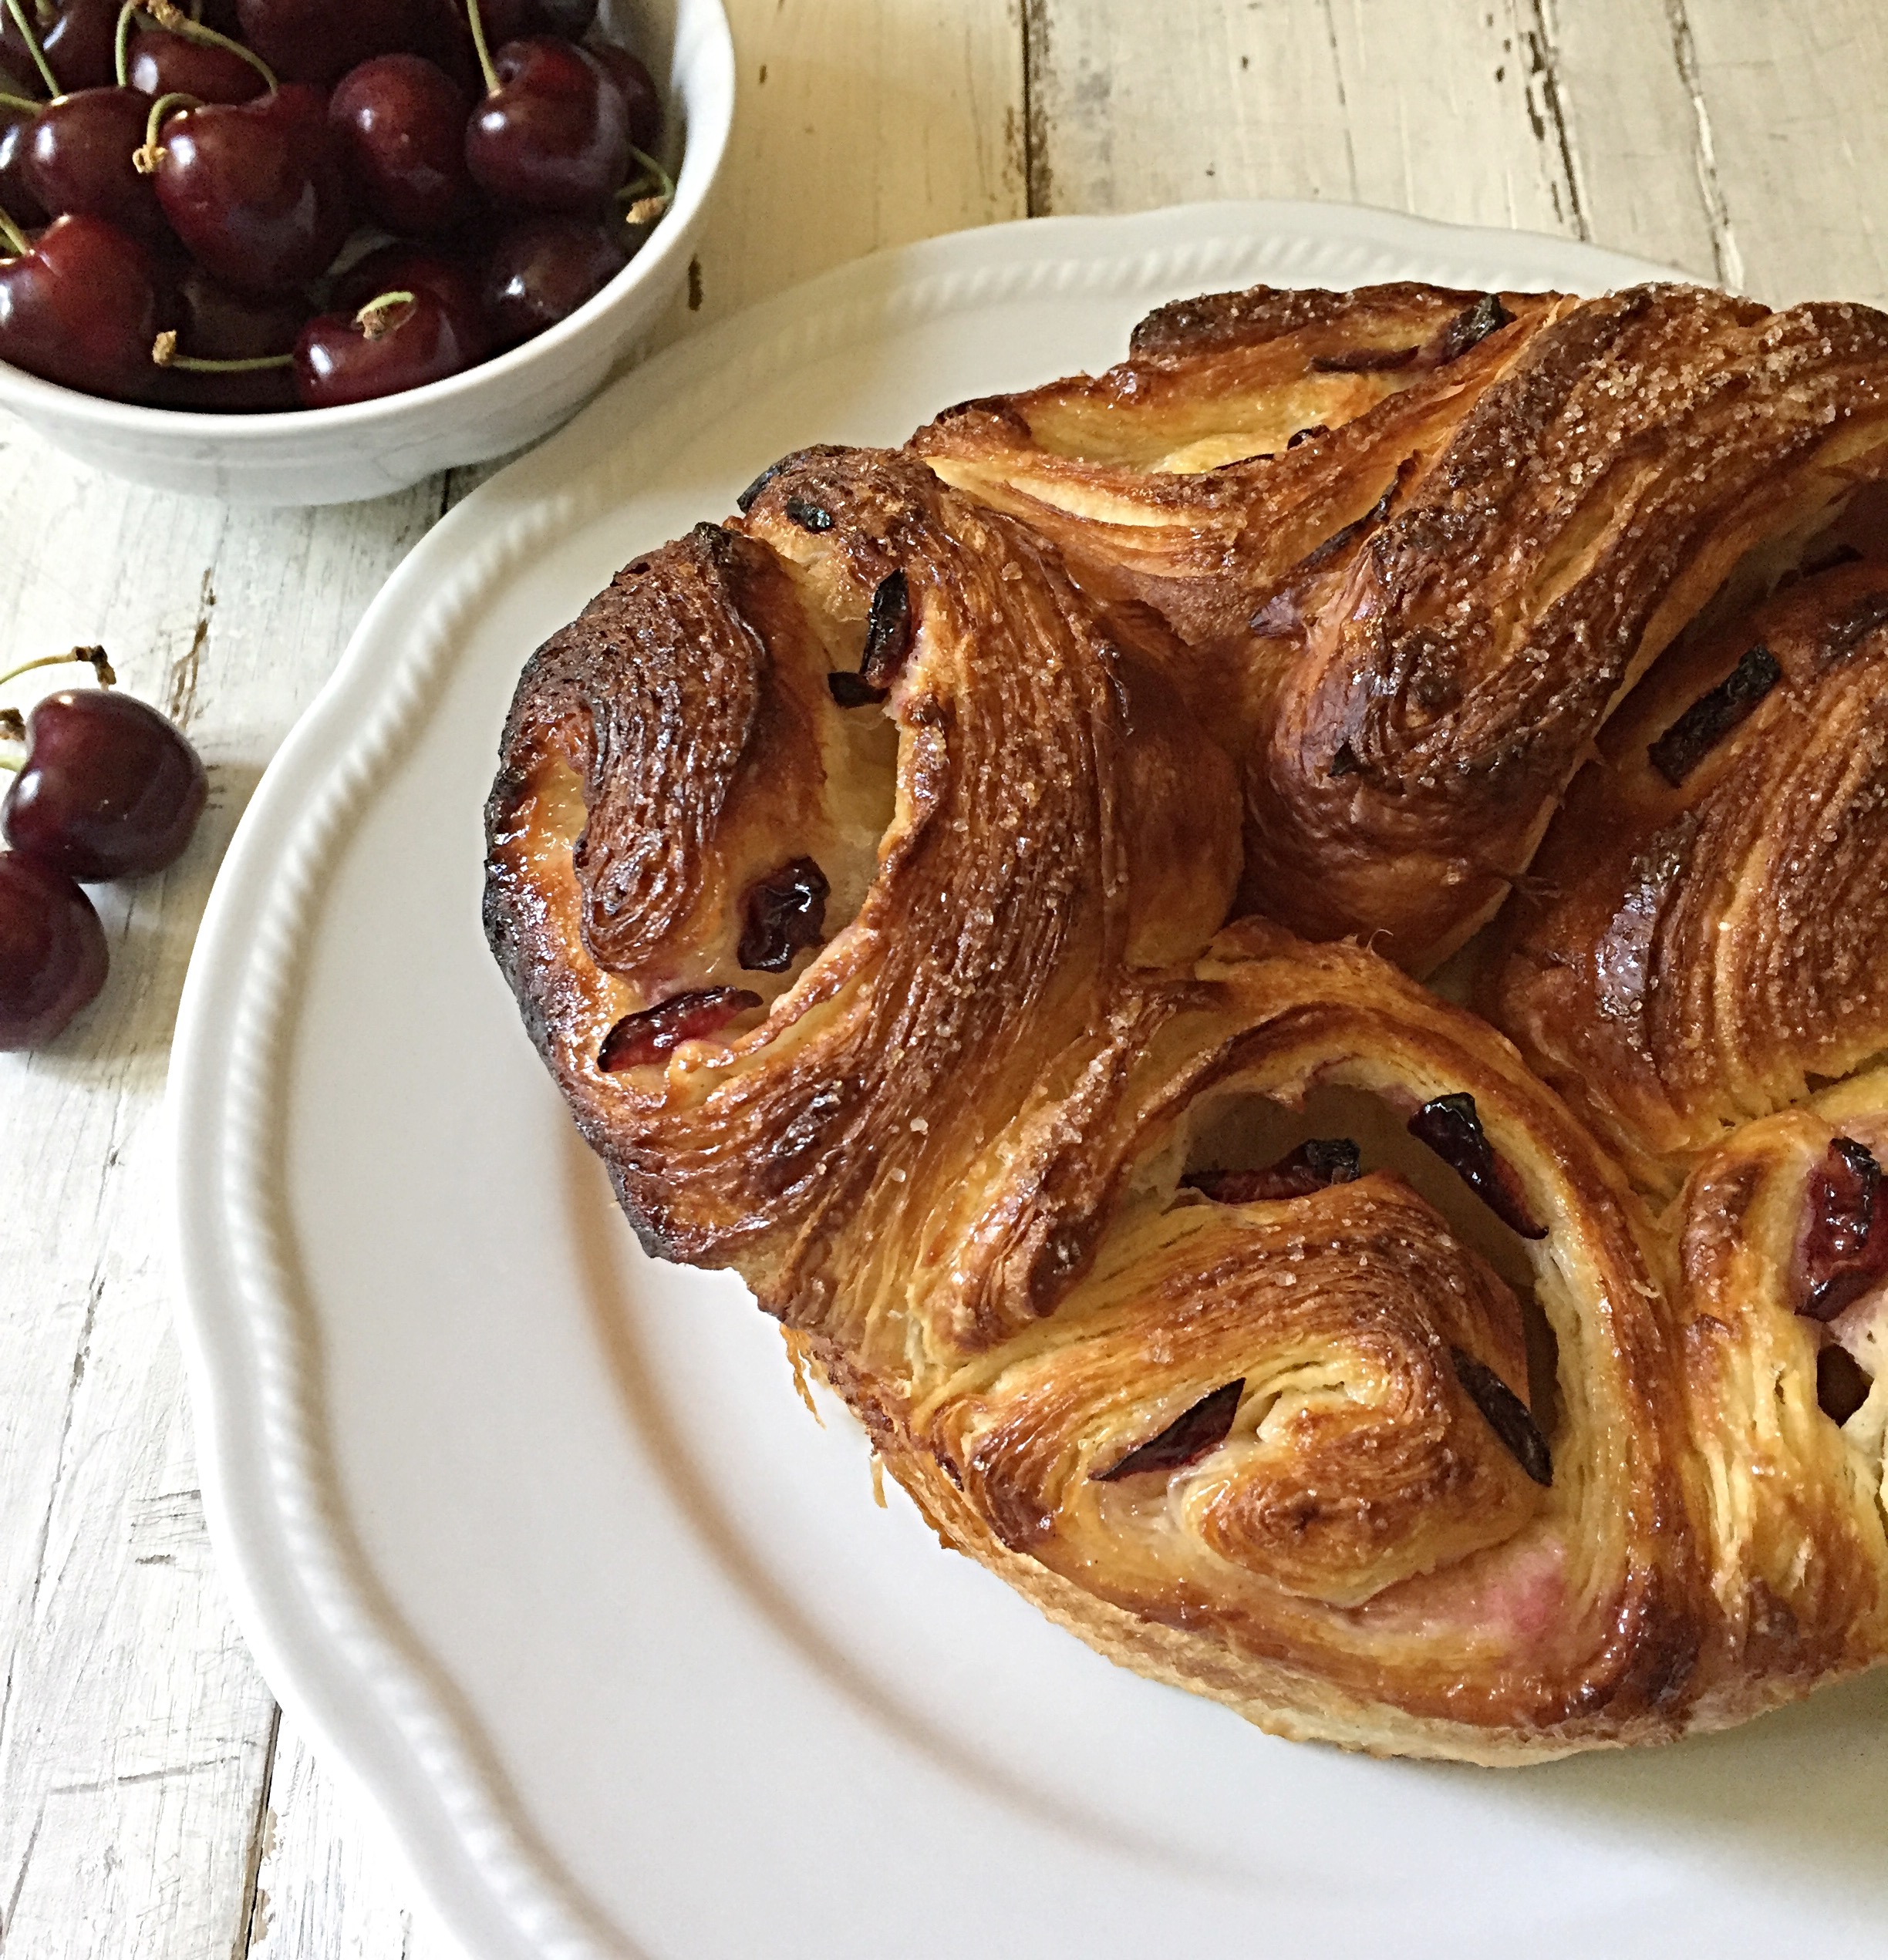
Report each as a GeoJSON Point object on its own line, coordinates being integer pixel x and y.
{"type": "Point", "coordinates": [707, 120]}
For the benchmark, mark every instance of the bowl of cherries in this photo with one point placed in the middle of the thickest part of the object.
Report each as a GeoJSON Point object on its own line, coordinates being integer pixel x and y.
{"type": "Point", "coordinates": [107, 789]}
{"type": "Point", "coordinates": [301, 251]}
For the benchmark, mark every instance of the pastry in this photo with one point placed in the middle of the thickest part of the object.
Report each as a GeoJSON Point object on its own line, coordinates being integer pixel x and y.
{"type": "Point", "coordinates": [930, 889]}
{"type": "Point", "coordinates": [1476, 567]}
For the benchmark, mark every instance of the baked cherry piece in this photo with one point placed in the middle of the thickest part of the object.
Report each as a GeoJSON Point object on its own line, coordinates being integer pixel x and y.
{"type": "Point", "coordinates": [109, 789]}
{"type": "Point", "coordinates": [52, 952]}
{"type": "Point", "coordinates": [80, 159]}
{"type": "Point", "coordinates": [553, 135]}
{"type": "Point", "coordinates": [403, 340]}
{"type": "Point", "coordinates": [541, 270]}
{"type": "Point", "coordinates": [400, 121]}
{"type": "Point", "coordinates": [256, 189]}
{"type": "Point", "coordinates": [319, 41]}
{"type": "Point", "coordinates": [637, 87]}
{"type": "Point", "coordinates": [80, 307]}
{"type": "Point", "coordinates": [160, 64]}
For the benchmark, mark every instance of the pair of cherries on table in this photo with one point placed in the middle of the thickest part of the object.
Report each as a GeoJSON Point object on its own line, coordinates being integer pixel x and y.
{"type": "Point", "coordinates": [109, 789]}
{"type": "Point", "coordinates": [196, 198]}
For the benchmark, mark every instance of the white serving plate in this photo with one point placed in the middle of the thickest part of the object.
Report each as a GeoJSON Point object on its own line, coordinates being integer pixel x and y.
{"type": "Point", "coordinates": [535, 1535]}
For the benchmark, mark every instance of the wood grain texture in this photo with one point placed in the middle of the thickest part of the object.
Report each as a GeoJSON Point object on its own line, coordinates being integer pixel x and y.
{"type": "Point", "coordinates": [1788, 107]}
{"type": "Point", "coordinates": [1448, 108]}
{"type": "Point", "coordinates": [862, 124]}
{"type": "Point", "coordinates": [152, 1802]}
{"type": "Point", "coordinates": [328, 1882]}
{"type": "Point", "coordinates": [134, 1731]}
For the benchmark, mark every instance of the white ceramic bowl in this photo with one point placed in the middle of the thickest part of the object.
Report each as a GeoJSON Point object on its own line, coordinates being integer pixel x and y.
{"type": "Point", "coordinates": [333, 455]}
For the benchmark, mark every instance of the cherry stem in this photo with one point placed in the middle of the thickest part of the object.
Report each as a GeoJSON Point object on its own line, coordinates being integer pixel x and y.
{"type": "Point", "coordinates": [484, 53]}
{"type": "Point", "coordinates": [94, 657]}
{"type": "Point", "coordinates": [650, 168]}
{"type": "Point", "coordinates": [173, 20]}
{"type": "Point", "coordinates": [163, 352]}
{"type": "Point", "coordinates": [374, 318]}
{"type": "Point", "coordinates": [644, 206]}
{"type": "Point", "coordinates": [19, 12]}
{"type": "Point", "coordinates": [16, 238]}
{"type": "Point", "coordinates": [120, 57]}
{"type": "Point", "coordinates": [145, 161]}
{"type": "Point", "coordinates": [21, 102]}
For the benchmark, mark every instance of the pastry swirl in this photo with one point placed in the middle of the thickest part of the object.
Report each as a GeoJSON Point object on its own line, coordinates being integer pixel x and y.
{"type": "Point", "coordinates": [863, 868]}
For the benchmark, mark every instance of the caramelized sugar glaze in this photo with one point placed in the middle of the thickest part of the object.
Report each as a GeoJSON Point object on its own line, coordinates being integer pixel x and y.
{"type": "Point", "coordinates": [969, 892]}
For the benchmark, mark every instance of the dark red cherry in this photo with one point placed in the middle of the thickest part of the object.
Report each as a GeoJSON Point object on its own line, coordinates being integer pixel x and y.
{"type": "Point", "coordinates": [52, 953]}
{"type": "Point", "coordinates": [1451, 1126]}
{"type": "Point", "coordinates": [1193, 1435]}
{"type": "Point", "coordinates": [214, 323]}
{"type": "Point", "coordinates": [255, 189]}
{"type": "Point", "coordinates": [319, 41]}
{"type": "Point", "coordinates": [783, 913]}
{"type": "Point", "coordinates": [160, 64]}
{"type": "Point", "coordinates": [554, 136]}
{"type": "Point", "coordinates": [79, 45]}
{"type": "Point", "coordinates": [401, 268]}
{"type": "Point", "coordinates": [342, 356]}
{"type": "Point", "coordinates": [400, 121]}
{"type": "Point", "coordinates": [542, 269]}
{"type": "Point", "coordinates": [81, 308]}
{"type": "Point", "coordinates": [80, 159]}
{"type": "Point", "coordinates": [639, 1039]}
{"type": "Point", "coordinates": [110, 789]}
{"type": "Point", "coordinates": [512, 20]}
{"type": "Point", "coordinates": [637, 87]}
{"type": "Point", "coordinates": [1844, 1249]}
{"type": "Point", "coordinates": [1317, 1164]}
{"type": "Point", "coordinates": [17, 198]}
{"type": "Point", "coordinates": [18, 75]}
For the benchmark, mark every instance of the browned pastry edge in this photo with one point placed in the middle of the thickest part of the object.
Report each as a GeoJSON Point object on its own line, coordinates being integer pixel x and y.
{"type": "Point", "coordinates": [1689, 953]}
{"type": "Point", "coordinates": [1453, 584]}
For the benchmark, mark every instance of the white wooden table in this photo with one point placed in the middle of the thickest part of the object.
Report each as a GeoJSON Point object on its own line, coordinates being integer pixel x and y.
{"type": "Point", "coordinates": [153, 1800]}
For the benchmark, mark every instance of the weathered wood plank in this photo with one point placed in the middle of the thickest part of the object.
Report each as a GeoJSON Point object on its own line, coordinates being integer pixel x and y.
{"type": "Point", "coordinates": [1617, 70]}
{"type": "Point", "coordinates": [134, 1731]}
{"type": "Point", "coordinates": [1791, 135]}
{"type": "Point", "coordinates": [1447, 108]}
{"type": "Point", "coordinates": [862, 123]}
{"type": "Point", "coordinates": [328, 1883]}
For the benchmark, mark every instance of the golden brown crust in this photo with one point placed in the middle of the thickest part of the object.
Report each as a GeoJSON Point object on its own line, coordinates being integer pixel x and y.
{"type": "Point", "coordinates": [1450, 589]}
{"type": "Point", "coordinates": [1688, 953]}
{"type": "Point", "coordinates": [1264, 1318]}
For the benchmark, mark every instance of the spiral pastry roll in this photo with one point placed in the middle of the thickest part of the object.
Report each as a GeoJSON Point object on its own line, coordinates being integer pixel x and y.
{"type": "Point", "coordinates": [862, 873]}
{"type": "Point", "coordinates": [1702, 938]}
{"type": "Point", "coordinates": [1462, 569]}
{"type": "Point", "coordinates": [804, 875]}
